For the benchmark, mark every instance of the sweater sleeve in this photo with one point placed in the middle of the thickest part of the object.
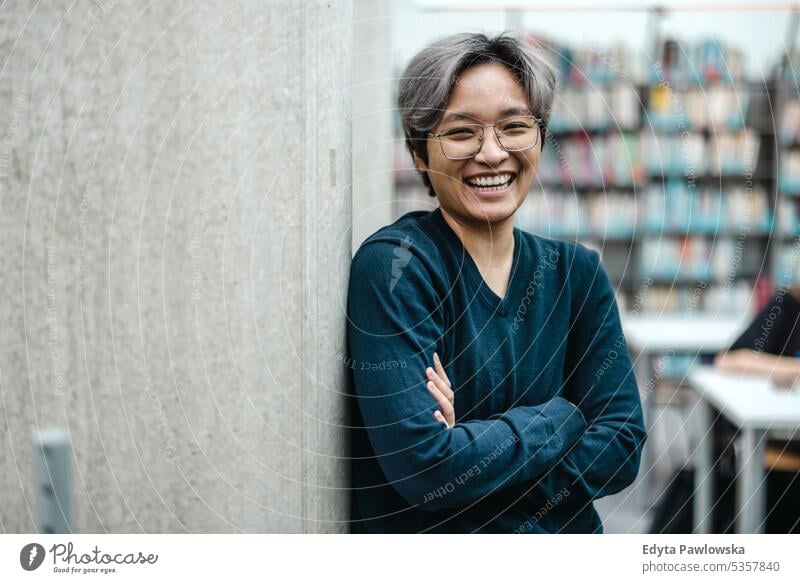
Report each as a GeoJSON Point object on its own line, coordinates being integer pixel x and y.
{"type": "Point", "coordinates": [601, 382]}
{"type": "Point", "coordinates": [395, 322]}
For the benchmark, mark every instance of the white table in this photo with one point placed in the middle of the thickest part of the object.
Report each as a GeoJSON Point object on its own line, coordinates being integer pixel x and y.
{"type": "Point", "coordinates": [756, 406]}
{"type": "Point", "coordinates": [649, 336]}
{"type": "Point", "coordinates": [703, 333]}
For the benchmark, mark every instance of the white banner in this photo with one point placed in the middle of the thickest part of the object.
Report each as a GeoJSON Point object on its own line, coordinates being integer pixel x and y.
{"type": "Point", "coordinates": [398, 558]}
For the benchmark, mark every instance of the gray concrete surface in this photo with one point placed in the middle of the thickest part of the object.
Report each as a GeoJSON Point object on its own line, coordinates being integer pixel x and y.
{"type": "Point", "coordinates": [175, 211]}
{"type": "Point", "coordinates": [374, 89]}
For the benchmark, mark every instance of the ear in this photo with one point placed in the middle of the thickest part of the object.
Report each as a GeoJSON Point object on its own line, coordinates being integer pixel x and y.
{"type": "Point", "coordinates": [423, 167]}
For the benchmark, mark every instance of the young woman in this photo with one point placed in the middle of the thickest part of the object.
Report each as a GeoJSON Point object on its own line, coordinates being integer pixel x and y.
{"type": "Point", "coordinates": [493, 391]}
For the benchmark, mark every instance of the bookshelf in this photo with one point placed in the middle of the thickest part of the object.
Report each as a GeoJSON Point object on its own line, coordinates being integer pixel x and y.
{"type": "Point", "coordinates": [672, 195]}
{"type": "Point", "coordinates": [787, 132]}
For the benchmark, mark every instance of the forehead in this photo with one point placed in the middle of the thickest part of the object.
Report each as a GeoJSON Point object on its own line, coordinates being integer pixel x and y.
{"type": "Point", "coordinates": [486, 92]}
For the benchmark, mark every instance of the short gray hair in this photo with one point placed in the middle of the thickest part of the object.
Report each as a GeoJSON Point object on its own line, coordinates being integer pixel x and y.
{"type": "Point", "coordinates": [428, 80]}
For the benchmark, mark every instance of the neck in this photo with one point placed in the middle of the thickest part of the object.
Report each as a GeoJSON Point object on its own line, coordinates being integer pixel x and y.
{"type": "Point", "coordinates": [491, 245]}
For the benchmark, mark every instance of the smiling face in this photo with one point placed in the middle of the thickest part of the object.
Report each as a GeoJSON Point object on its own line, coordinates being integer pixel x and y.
{"type": "Point", "coordinates": [487, 93]}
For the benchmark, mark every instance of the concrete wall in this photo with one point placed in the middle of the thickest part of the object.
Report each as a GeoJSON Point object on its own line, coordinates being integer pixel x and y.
{"type": "Point", "coordinates": [175, 214]}
{"type": "Point", "coordinates": [373, 111]}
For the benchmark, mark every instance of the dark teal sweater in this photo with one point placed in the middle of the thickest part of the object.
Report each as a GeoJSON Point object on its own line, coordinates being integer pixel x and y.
{"type": "Point", "coordinates": [548, 416]}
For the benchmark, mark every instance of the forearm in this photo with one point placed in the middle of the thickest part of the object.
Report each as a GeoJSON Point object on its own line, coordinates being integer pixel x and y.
{"type": "Point", "coordinates": [751, 361]}
{"type": "Point", "coordinates": [603, 462]}
{"type": "Point", "coordinates": [436, 467]}
{"type": "Point", "coordinates": [606, 458]}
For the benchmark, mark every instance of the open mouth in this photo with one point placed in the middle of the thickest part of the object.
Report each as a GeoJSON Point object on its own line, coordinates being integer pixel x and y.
{"type": "Point", "coordinates": [491, 184]}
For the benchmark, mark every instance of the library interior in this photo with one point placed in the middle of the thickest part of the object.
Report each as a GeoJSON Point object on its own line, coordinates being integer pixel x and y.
{"type": "Point", "coordinates": [673, 150]}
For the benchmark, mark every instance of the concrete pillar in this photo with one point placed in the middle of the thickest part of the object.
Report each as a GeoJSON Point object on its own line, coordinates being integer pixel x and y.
{"type": "Point", "coordinates": [175, 217]}
{"type": "Point", "coordinates": [374, 89]}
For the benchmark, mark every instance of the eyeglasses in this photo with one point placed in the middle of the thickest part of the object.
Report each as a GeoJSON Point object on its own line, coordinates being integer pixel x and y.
{"type": "Point", "coordinates": [514, 134]}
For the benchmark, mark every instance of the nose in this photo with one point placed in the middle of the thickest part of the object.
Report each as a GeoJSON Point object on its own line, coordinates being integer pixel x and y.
{"type": "Point", "coordinates": [491, 152]}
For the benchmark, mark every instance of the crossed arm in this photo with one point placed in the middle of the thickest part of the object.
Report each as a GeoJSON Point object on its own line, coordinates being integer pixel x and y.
{"type": "Point", "coordinates": [605, 458]}
{"type": "Point", "coordinates": [589, 442]}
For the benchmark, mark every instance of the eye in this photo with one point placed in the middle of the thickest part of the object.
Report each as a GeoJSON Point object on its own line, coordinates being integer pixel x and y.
{"type": "Point", "coordinates": [517, 125]}
{"type": "Point", "coordinates": [460, 133]}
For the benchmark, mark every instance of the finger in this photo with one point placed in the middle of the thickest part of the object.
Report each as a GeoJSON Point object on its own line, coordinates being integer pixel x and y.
{"type": "Point", "coordinates": [440, 369]}
{"type": "Point", "coordinates": [440, 417]}
{"type": "Point", "coordinates": [438, 395]}
{"type": "Point", "coordinates": [447, 407]}
{"type": "Point", "coordinates": [441, 384]}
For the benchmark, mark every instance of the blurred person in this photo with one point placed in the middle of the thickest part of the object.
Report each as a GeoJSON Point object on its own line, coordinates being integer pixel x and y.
{"type": "Point", "coordinates": [771, 343]}
{"type": "Point", "coordinates": [770, 346]}
{"type": "Point", "coordinates": [492, 389]}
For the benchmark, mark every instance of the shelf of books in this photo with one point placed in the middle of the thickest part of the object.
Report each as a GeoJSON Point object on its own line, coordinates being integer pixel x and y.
{"type": "Point", "coordinates": [667, 170]}
{"type": "Point", "coordinates": [787, 240]}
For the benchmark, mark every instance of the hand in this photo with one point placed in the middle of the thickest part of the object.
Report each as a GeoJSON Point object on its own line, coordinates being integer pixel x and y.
{"type": "Point", "coordinates": [733, 360]}
{"type": "Point", "coordinates": [782, 369]}
{"type": "Point", "coordinates": [440, 387]}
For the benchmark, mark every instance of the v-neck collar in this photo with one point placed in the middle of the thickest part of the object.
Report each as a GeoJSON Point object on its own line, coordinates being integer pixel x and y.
{"type": "Point", "coordinates": [490, 298]}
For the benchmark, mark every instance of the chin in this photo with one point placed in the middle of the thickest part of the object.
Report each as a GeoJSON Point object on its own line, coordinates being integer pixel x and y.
{"type": "Point", "coordinates": [492, 212]}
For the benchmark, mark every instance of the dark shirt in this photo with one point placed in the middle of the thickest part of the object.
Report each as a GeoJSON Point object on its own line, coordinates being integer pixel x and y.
{"type": "Point", "coordinates": [548, 415]}
{"type": "Point", "coordinates": [775, 329]}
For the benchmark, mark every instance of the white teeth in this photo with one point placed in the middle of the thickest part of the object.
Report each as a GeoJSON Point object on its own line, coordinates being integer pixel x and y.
{"type": "Point", "coordinates": [490, 181]}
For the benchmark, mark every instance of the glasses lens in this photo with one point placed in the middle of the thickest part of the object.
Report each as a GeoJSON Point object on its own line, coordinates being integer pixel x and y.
{"type": "Point", "coordinates": [518, 133]}
{"type": "Point", "coordinates": [461, 142]}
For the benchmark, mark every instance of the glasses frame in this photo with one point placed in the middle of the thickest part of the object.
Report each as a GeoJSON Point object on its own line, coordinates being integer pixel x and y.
{"type": "Point", "coordinates": [497, 137]}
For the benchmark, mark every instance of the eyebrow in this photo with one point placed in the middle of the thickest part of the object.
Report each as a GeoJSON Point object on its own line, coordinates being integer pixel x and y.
{"type": "Point", "coordinates": [473, 117]}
